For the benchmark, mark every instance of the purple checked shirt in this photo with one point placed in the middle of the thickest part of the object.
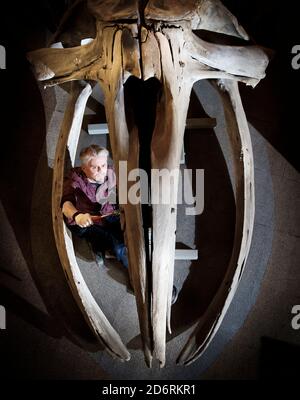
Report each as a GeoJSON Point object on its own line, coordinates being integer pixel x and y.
{"type": "Point", "coordinates": [90, 197]}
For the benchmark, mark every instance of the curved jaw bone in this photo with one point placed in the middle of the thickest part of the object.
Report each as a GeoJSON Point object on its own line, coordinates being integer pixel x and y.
{"type": "Point", "coordinates": [68, 138]}
{"type": "Point", "coordinates": [177, 58]}
{"type": "Point", "coordinates": [239, 136]}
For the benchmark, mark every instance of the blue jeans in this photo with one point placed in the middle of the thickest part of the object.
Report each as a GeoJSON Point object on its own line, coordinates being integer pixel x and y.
{"type": "Point", "coordinates": [105, 237]}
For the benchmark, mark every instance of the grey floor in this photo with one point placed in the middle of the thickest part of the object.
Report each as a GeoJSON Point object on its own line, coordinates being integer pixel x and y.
{"type": "Point", "coordinates": [46, 336]}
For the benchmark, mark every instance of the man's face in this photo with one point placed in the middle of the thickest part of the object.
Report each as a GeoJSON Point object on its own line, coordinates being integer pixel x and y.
{"type": "Point", "coordinates": [96, 168]}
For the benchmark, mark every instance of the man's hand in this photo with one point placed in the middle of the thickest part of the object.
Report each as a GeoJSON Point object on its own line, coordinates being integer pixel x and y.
{"type": "Point", "coordinates": [83, 220]}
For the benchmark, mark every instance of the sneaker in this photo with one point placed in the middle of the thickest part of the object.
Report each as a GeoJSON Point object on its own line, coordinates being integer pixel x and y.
{"type": "Point", "coordinates": [121, 253]}
{"type": "Point", "coordinates": [174, 295]}
{"type": "Point", "coordinates": [99, 259]}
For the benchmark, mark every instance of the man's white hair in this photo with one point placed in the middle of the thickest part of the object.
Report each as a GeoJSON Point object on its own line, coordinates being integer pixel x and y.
{"type": "Point", "coordinates": [92, 151]}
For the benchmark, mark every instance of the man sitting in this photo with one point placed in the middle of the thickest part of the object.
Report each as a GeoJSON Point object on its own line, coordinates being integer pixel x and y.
{"type": "Point", "coordinates": [87, 191]}
{"type": "Point", "coordinates": [86, 195]}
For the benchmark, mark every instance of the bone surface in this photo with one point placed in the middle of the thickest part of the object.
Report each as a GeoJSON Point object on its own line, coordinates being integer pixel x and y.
{"type": "Point", "coordinates": [68, 138]}
{"type": "Point", "coordinates": [239, 135]}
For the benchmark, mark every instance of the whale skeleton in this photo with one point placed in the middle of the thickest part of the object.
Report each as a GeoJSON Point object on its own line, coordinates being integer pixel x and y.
{"type": "Point", "coordinates": [153, 39]}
